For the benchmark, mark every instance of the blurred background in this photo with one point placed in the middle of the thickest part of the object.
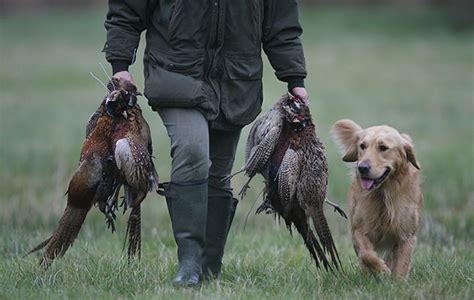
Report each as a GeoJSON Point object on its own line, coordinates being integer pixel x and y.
{"type": "Point", "coordinates": [405, 63]}
{"type": "Point", "coordinates": [460, 12]}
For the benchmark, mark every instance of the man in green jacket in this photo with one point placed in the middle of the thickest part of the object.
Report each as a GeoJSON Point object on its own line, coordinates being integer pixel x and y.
{"type": "Point", "coordinates": [203, 75]}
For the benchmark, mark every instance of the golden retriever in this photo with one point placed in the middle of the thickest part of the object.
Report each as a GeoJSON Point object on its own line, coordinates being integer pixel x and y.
{"type": "Point", "coordinates": [385, 197]}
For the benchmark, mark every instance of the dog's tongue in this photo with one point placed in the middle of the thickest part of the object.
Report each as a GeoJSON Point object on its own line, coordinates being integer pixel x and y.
{"type": "Point", "coordinates": [366, 183]}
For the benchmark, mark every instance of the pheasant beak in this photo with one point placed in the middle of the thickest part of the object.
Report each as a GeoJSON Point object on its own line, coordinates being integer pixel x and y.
{"type": "Point", "coordinates": [295, 106]}
{"type": "Point", "coordinates": [295, 103]}
{"type": "Point", "coordinates": [111, 103]}
{"type": "Point", "coordinates": [131, 98]}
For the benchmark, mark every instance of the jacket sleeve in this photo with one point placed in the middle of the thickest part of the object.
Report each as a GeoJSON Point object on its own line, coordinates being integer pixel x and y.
{"type": "Point", "coordinates": [281, 41]}
{"type": "Point", "coordinates": [126, 19]}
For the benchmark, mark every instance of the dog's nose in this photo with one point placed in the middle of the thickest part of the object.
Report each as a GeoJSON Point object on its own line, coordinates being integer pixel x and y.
{"type": "Point", "coordinates": [363, 168]}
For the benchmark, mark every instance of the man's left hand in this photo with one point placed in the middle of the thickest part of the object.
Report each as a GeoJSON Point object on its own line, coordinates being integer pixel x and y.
{"type": "Point", "coordinates": [301, 93]}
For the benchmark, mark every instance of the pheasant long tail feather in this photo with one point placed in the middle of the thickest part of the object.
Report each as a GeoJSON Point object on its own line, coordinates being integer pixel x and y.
{"type": "Point", "coordinates": [325, 237]}
{"type": "Point", "coordinates": [134, 233]}
{"type": "Point", "coordinates": [311, 243]}
{"type": "Point", "coordinates": [62, 238]}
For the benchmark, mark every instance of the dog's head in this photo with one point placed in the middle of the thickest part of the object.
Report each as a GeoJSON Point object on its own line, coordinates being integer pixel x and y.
{"type": "Point", "coordinates": [379, 151]}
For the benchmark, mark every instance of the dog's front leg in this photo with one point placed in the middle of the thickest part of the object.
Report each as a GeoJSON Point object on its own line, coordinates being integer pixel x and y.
{"type": "Point", "coordinates": [402, 258]}
{"type": "Point", "coordinates": [367, 255]}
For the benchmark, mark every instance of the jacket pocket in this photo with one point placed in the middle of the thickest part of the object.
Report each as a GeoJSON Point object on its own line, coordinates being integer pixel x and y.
{"type": "Point", "coordinates": [238, 68]}
{"type": "Point", "coordinates": [241, 91]}
{"type": "Point", "coordinates": [170, 83]}
{"type": "Point", "coordinates": [185, 65]}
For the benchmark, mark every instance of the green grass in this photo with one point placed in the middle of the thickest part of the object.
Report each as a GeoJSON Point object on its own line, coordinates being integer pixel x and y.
{"type": "Point", "coordinates": [377, 66]}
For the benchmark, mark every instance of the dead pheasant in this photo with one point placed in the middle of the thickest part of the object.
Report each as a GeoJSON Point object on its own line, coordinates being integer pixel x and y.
{"type": "Point", "coordinates": [132, 146]}
{"type": "Point", "coordinates": [283, 147]}
{"type": "Point", "coordinates": [93, 182]}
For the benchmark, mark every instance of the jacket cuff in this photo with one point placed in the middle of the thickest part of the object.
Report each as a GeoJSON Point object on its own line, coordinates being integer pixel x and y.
{"type": "Point", "coordinates": [294, 81]}
{"type": "Point", "coordinates": [119, 66]}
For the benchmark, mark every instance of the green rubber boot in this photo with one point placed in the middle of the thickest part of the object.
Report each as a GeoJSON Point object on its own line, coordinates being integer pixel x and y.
{"type": "Point", "coordinates": [220, 214]}
{"type": "Point", "coordinates": [187, 205]}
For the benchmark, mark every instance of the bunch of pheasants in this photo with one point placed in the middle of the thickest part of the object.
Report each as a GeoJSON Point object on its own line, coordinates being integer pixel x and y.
{"type": "Point", "coordinates": [116, 152]}
{"type": "Point", "coordinates": [283, 147]}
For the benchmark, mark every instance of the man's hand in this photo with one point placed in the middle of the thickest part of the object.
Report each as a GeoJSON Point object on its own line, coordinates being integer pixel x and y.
{"type": "Point", "coordinates": [124, 75]}
{"type": "Point", "coordinates": [301, 93]}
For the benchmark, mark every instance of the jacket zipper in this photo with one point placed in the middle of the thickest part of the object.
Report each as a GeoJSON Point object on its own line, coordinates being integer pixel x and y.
{"type": "Point", "coordinates": [213, 46]}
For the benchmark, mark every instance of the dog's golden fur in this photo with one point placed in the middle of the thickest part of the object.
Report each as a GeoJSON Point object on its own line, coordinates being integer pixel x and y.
{"type": "Point", "coordinates": [385, 197]}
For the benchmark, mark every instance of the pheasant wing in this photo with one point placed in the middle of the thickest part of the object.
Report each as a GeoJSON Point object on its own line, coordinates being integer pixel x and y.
{"type": "Point", "coordinates": [92, 122]}
{"type": "Point", "coordinates": [261, 142]}
{"type": "Point", "coordinates": [262, 152]}
{"type": "Point", "coordinates": [260, 130]}
{"type": "Point", "coordinates": [287, 178]}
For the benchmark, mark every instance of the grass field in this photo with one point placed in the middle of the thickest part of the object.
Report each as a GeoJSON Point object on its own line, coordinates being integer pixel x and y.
{"type": "Point", "coordinates": [407, 70]}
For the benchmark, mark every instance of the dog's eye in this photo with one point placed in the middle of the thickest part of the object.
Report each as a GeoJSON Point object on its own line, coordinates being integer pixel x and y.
{"type": "Point", "coordinates": [383, 148]}
{"type": "Point", "coordinates": [363, 146]}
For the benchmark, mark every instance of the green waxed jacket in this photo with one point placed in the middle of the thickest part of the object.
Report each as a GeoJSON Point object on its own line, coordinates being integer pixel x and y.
{"type": "Point", "coordinates": [207, 53]}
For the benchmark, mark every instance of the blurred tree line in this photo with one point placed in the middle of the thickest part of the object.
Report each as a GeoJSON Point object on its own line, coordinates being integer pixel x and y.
{"type": "Point", "coordinates": [459, 12]}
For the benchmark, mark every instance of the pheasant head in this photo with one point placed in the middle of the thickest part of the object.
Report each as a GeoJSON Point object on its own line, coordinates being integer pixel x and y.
{"type": "Point", "coordinates": [122, 96]}
{"type": "Point", "coordinates": [295, 111]}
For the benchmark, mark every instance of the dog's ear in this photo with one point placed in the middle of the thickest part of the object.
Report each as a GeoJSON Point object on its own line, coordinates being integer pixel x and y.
{"type": "Point", "coordinates": [410, 150]}
{"type": "Point", "coordinates": [346, 134]}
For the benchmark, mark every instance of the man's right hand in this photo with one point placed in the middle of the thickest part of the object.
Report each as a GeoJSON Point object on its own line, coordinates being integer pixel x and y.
{"type": "Point", "coordinates": [124, 75]}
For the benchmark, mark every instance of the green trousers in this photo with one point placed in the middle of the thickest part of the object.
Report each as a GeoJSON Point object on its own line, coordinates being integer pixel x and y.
{"type": "Point", "coordinates": [198, 153]}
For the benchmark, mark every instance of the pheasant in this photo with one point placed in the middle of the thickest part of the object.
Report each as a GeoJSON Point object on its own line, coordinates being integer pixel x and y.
{"type": "Point", "coordinates": [93, 182]}
{"type": "Point", "coordinates": [132, 148]}
{"type": "Point", "coordinates": [132, 151]}
{"type": "Point", "coordinates": [283, 147]}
